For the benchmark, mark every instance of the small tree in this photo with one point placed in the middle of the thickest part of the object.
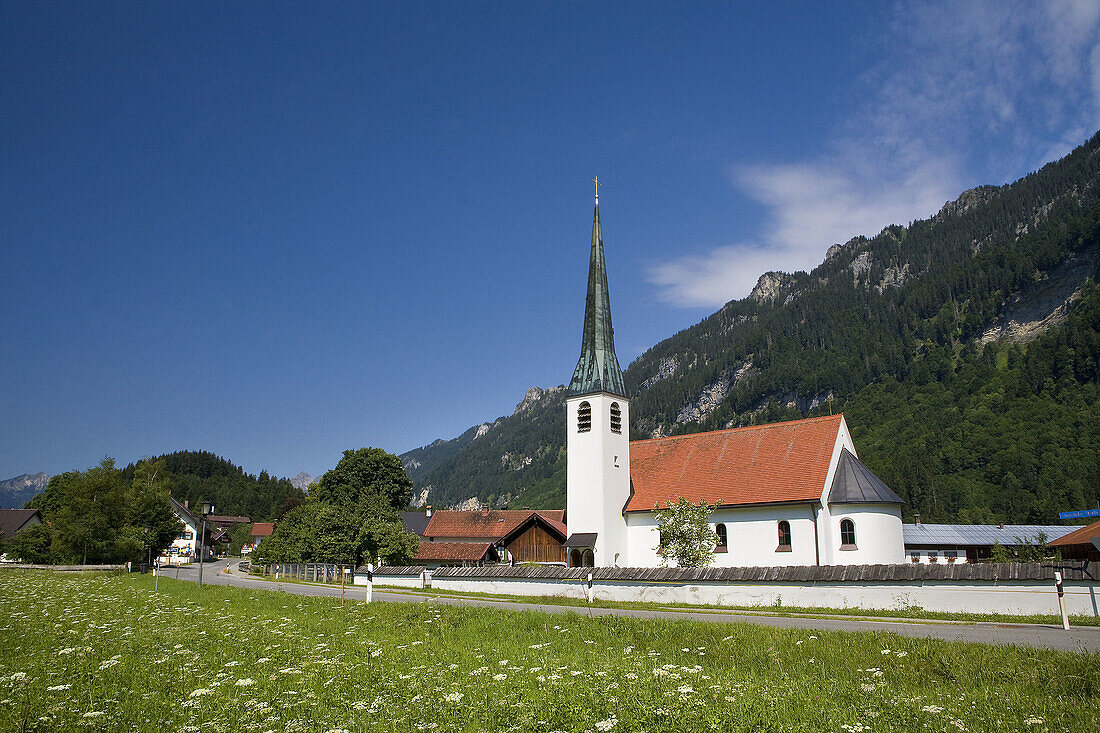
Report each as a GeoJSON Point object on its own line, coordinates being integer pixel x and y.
{"type": "Point", "coordinates": [685, 534]}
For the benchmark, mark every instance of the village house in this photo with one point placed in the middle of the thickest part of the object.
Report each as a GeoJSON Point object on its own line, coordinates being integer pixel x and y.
{"type": "Point", "coordinates": [513, 536]}
{"type": "Point", "coordinates": [16, 520]}
{"type": "Point", "coordinates": [188, 547]}
{"type": "Point", "coordinates": [792, 493]}
{"type": "Point", "coordinates": [962, 543]}
{"type": "Point", "coordinates": [1081, 543]}
{"type": "Point", "coordinates": [261, 531]}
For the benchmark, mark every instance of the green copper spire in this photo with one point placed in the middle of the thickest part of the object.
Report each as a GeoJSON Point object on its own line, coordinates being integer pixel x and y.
{"type": "Point", "coordinates": [598, 368]}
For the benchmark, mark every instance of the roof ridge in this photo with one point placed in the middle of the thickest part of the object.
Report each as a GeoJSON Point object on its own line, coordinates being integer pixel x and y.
{"type": "Point", "coordinates": [743, 428]}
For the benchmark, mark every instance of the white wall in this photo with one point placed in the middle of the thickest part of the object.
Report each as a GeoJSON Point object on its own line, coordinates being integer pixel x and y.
{"type": "Point", "coordinates": [924, 557]}
{"type": "Point", "coordinates": [879, 539]}
{"type": "Point", "coordinates": [401, 581]}
{"type": "Point", "coordinates": [598, 476]}
{"type": "Point", "coordinates": [1007, 597]}
{"type": "Point", "coordinates": [752, 532]}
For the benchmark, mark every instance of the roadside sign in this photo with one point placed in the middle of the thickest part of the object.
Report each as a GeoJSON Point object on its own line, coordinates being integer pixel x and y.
{"type": "Point", "coordinates": [1079, 514]}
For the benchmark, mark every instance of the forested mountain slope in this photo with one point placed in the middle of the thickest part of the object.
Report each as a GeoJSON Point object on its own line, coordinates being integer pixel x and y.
{"type": "Point", "coordinates": [199, 475]}
{"type": "Point", "coordinates": [963, 349]}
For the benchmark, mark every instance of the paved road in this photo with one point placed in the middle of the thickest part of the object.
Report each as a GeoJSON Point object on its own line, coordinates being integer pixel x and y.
{"type": "Point", "coordinates": [1079, 639]}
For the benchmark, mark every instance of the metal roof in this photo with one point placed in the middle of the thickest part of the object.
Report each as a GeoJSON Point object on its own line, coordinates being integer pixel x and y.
{"type": "Point", "coordinates": [981, 534]}
{"type": "Point", "coordinates": [853, 483]}
{"type": "Point", "coordinates": [598, 368]}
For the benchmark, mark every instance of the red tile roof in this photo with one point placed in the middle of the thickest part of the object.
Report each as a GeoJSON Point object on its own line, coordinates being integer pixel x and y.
{"type": "Point", "coordinates": [496, 524]}
{"type": "Point", "coordinates": [1081, 536]}
{"type": "Point", "coordinates": [762, 464]}
{"type": "Point", "coordinates": [467, 551]}
{"type": "Point", "coordinates": [263, 529]}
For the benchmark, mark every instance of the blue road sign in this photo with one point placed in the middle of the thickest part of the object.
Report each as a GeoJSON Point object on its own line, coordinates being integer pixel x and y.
{"type": "Point", "coordinates": [1080, 514]}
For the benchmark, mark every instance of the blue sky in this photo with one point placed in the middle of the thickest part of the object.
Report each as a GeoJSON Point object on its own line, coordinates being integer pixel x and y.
{"type": "Point", "coordinates": [276, 231]}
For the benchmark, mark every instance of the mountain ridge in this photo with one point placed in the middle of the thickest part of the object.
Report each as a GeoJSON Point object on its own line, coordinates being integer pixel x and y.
{"type": "Point", "coordinates": [18, 490]}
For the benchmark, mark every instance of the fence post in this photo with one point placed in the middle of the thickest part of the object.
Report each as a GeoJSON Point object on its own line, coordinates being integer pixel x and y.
{"type": "Point", "coordinates": [370, 581]}
{"type": "Point", "coordinates": [588, 592]}
{"type": "Point", "coordinates": [1061, 599]}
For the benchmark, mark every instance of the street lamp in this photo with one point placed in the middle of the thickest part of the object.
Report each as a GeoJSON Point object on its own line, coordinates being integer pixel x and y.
{"type": "Point", "coordinates": [207, 510]}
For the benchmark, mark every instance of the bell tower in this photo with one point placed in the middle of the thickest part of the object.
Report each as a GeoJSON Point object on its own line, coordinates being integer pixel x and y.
{"type": "Point", "coordinates": [597, 429]}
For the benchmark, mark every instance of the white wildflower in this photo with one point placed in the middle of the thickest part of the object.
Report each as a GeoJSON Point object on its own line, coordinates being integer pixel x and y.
{"type": "Point", "coordinates": [201, 691]}
{"type": "Point", "coordinates": [454, 697]}
{"type": "Point", "coordinates": [608, 724]}
{"type": "Point", "coordinates": [932, 709]}
{"type": "Point", "coordinates": [58, 688]}
{"type": "Point", "coordinates": [245, 682]}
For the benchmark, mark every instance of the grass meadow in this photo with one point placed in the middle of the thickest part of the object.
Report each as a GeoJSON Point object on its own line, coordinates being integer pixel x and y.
{"type": "Point", "coordinates": [101, 652]}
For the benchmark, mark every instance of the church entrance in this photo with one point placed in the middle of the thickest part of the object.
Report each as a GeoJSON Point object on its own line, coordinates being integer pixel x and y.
{"type": "Point", "coordinates": [581, 558]}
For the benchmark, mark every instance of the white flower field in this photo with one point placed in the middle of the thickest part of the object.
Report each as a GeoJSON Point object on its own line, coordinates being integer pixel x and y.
{"type": "Point", "coordinates": [105, 652]}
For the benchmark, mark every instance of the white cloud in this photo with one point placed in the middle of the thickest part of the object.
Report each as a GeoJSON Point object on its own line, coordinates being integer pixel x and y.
{"type": "Point", "coordinates": [965, 94]}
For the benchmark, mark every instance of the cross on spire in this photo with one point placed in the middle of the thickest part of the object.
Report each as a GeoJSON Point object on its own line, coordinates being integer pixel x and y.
{"type": "Point", "coordinates": [596, 181]}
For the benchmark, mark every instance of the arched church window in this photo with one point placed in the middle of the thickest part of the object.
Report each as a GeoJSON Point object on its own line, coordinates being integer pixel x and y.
{"type": "Point", "coordinates": [575, 559]}
{"type": "Point", "coordinates": [589, 559]}
{"type": "Point", "coordinates": [584, 417]}
{"type": "Point", "coordinates": [847, 534]}
{"type": "Point", "coordinates": [784, 537]}
{"type": "Point", "coordinates": [723, 538]}
{"type": "Point", "coordinates": [616, 418]}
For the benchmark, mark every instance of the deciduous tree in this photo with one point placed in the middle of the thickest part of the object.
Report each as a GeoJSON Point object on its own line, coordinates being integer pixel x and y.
{"type": "Point", "coordinates": [686, 536]}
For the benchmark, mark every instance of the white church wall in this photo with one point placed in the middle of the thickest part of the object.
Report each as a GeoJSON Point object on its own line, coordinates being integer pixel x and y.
{"type": "Point", "coordinates": [752, 534]}
{"type": "Point", "coordinates": [1005, 597]}
{"type": "Point", "coordinates": [828, 541]}
{"type": "Point", "coordinates": [879, 539]}
{"type": "Point", "coordinates": [599, 458]}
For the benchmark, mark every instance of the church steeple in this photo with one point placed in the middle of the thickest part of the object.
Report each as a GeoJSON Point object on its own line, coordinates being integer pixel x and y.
{"type": "Point", "coordinates": [598, 368]}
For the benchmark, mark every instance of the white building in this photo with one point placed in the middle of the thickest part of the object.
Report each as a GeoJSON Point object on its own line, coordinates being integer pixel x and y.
{"type": "Point", "coordinates": [186, 546]}
{"type": "Point", "coordinates": [790, 493]}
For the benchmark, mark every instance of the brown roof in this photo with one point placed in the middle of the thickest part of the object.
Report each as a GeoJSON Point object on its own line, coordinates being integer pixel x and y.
{"type": "Point", "coordinates": [262, 529]}
{"type": "Point", "coordinates": [762, 464]}
{"type": "Point", "coordinates": [221, 519]}
{"type": "Point", "coordinates": [1081, 536]}
{"type": "Point", "coordinates": [467, 551]}
{"type": "Point", "coordinates": [12, 520]}
{"type": "Point", "coordinates": [497, 524]}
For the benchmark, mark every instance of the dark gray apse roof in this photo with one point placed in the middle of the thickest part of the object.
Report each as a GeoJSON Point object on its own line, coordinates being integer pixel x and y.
{"type": "Point", "coordinates": [853, 483]}
{"type": "Point", "coordinates": [980, 535]}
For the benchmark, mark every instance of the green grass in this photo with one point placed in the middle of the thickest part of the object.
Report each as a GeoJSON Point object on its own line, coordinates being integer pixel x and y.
{"type": "Point", "coordinates": [905, 614]}
{"type": "Point", "coordinates": [99, 652]}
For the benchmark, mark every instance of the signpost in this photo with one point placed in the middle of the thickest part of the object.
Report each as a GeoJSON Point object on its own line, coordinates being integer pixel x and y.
{"type": "Point", "coordinates": [1079, 514]}
{"type": "Point", "coordinates": [1061, 599]}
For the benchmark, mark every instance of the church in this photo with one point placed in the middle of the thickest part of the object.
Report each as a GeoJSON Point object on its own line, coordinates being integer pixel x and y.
{"type": "Point", "coordinates": [790, 493]}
